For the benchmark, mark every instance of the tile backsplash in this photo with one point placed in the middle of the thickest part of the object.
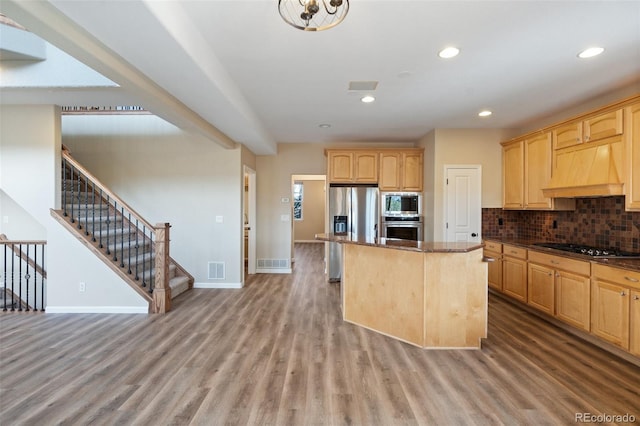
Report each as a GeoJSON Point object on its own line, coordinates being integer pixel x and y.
{"type": "Point", "coordinates": [600, 222]}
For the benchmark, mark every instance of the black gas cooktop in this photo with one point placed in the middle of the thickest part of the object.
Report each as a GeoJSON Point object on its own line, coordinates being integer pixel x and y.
{"type": "Point", "coordinates": [589, 251]}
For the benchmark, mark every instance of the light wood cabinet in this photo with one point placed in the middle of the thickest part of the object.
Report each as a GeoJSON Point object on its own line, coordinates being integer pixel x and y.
{"type": "Point", "coordinates": [593, 128]}
{"type": "Point", "coordinates": [537, 171]}
{"type": "Point", "coordinates": [632, 141]}
{"type": "Point", "coordinates": [541, 288]}
{"type": "Point", "coordinates": [493, 250]}
{"type": "Point", "coordinates": [634, 323]}
{"type": "Point", "coordinates": [573, 299]}
{"type": "Point", "coordinates": [610, 312]}
{"type": "Point", "coordinates": [513, 175]}
{"type": "Point", "coordinates": [514, 272]}
{"type": "Point", "coordinates": [352, 166]}
{"type": "Point", "coordinates": [527, 169]}
{"type": "Point", "coordinates": [340, 166]}
{"type": "Point", "coordinates": [612, 317]}
{"type": "Point", "coordinates": [560, 286]}
{"type": "Point", "coordinates": [401, 171]}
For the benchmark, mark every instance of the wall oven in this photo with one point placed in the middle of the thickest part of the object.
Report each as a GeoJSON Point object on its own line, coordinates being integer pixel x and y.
{"type": "Point", "coordinates": [401, 204]}
{"type": "Point", "coordinates": [402, 227]}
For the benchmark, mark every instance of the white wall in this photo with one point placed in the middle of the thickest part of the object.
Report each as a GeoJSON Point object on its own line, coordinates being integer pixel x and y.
{"type": "Point", "coordinates": [463, 146]}
{"type": "Point", "coordinates": [30, 183]}
{"type": "Point", "coordinates": [274, 183]}
{"type": "Point", "coordinates": [168, 175]}
{"type": "Point", "coordinates": [30, 158]}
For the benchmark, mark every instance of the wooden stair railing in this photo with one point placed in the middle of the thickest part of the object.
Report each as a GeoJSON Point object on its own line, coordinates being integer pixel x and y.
{"type": "Point", "coordinates": [22, 274]}
{"type": "Point", "coordinates": [136, 250]}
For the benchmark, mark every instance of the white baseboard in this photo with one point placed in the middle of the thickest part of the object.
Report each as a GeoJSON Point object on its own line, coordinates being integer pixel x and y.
{"type": "Point", "coordinates": [217, 285]}
{"type": "Point", "coordinates": [273, 271]}
{"type": "Point", "coordinates": [97, 309]}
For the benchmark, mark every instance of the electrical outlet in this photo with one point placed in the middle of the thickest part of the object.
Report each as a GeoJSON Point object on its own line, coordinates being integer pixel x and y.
{"type": "Point", "coordinates": [82, 287]}
{"type": "Point", "coordinates": [555, 224]}
{"type": "Point", "coordinates": [500, 221]}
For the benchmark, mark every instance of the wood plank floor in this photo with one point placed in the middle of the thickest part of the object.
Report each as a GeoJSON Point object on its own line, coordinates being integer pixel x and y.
{"type": "Point", "coordinates": [277, 353]}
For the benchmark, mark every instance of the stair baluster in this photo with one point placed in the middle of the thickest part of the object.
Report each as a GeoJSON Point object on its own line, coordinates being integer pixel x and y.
{"type": "Point", "coordinates": [139, 239]}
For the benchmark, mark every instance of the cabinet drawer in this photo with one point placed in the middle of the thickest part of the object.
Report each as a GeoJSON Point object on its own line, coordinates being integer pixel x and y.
{"type": "Point", "coordinates": [493, 246]}
{"type": "Point", "coordinates": [618, 276]}
{"type": "Point", "coordinates": [513, 251]}
{"type": "Point", "coordinates": [579, 267]}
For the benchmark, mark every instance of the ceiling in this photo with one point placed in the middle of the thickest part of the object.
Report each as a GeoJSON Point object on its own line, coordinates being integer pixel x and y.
{"type": "Point", "coordinates": [234, 67]}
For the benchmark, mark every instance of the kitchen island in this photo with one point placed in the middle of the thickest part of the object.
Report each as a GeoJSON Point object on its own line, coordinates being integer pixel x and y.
{"type": "Point", "coordinates": [429, 294]}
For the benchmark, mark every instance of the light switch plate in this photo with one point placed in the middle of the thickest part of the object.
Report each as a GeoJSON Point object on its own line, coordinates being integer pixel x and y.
{"type": "Point", "coordinates": [284, 199]}
{"type": "Point", "coordinates": [219, 219]}
{"type": "Point", "coordinates": [284, 218]}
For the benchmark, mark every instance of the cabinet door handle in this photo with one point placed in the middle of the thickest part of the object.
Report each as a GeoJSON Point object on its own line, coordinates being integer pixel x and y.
{"type": "Point", "coordinates": [633, 280]}
{"type": "Point", "coordinates": [636, 297]}
{"type": "Point", "coordinates": [514, 252]}
{"type": "Point", "coordinates": [586, 138]}
{"type": "Point", "coordinates": [488, 259]}
{"type": "Point", "coordinates": [577, 139]}
{"type": "Point", "coordinates": [555, 262]}
{"type": "Point", "coordinates": [622, 293]}
{"type": "Point", "coordinates": [550, 273]}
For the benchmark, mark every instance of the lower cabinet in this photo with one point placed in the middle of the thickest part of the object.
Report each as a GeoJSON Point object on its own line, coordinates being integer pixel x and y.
{"type": "Point", "coordinates": [493, 250]}
{"type": "Point", "coordinates": [541, 288]}
{"type": "Point", "coordinates": [514, 272]}
{"type": "Point", "coordinates": [634, 336]}
{"type": "Point", "coordinates": [610, 312]}
{"type": "Point", "coordinates": [560, 286]}
{"type": "Point", "coordinates": [573, 297]}
{"type": "Point", "coordinates": [615, 306]}
{"type": "Point", "coordinates": [594, 297]}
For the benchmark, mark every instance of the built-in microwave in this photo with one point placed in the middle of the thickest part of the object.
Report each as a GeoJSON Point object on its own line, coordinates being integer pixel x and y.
{"type": "Point", "coordinates": [401, 204]}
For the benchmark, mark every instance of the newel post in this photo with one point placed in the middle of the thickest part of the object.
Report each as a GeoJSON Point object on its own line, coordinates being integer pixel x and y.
{"type": "Point", "coordinates": [161, 290]}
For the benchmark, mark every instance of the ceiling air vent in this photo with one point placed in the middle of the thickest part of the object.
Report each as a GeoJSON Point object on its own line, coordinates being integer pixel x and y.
{"type": "Point", "coordinates": [366, 86]}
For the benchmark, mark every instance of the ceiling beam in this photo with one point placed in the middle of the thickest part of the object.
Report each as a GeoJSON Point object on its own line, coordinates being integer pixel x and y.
{"type": "Point", "coordinates": [45, 20]}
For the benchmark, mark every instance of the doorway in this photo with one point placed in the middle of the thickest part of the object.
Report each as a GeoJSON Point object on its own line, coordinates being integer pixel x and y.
{"type": "Point", "coordinates": [463, 203]}
{"type": "Point", "coordinates": [249, 222]}
{"type": "Point", "coordinates": [308, 209]}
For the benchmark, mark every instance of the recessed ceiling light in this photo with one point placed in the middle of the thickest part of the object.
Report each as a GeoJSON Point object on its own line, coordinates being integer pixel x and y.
{"type": "Point", "coordinates": [368, 99]}
{"type": "Point", "coordinates": [590, 52]}
{"type": "Point", "coordinates": [449, 52]}
{"type": "Point", "coordinates": [324, 125]}
{"type": "Point", "coordinates": [485, 113]}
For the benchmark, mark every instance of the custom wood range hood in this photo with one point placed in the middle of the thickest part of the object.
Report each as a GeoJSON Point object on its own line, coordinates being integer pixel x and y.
{"type": "Point", "coordinates": [587, 171]}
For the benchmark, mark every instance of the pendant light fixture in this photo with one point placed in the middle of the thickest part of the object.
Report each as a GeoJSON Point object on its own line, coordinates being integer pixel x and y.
{"type": "Point", "coordinates": [313, 15]}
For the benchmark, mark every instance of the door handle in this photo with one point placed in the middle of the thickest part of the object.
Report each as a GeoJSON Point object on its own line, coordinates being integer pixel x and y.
{"type": "Point", "coordinates": [473, 234]}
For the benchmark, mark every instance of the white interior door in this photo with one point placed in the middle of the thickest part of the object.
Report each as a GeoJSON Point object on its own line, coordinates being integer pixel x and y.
{"type": "Point", "coordinates": [463, 211]}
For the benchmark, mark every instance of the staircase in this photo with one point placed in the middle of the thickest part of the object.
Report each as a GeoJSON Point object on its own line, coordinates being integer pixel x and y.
{"type": "Point", "coordinates": [133, 248]}
{"type": "Point", "coordinates": [22, 275]}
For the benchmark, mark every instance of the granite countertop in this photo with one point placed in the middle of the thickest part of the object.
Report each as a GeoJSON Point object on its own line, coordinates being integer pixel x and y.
{"type": "Point", "coordinates": [618, 262]}
{"type": "Point", "coordinates": [409, 245]}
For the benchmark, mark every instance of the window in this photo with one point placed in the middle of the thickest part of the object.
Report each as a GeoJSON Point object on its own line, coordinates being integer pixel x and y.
{"type": "Point", "coordinates": [297, 200]}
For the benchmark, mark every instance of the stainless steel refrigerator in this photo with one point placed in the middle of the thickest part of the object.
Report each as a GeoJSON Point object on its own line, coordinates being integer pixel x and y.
{"type": "Point", "coordinates": [352, 210]}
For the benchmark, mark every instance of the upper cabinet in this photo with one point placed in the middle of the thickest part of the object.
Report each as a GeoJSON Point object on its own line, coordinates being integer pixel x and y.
{"type": "Point", "coordinates": [391, 169]}
{"type": "Point", "coordinates": [527, 167]}
{"type": "Point", "coordinates": [352, 166]}
{"type": "Point", "coordinates": [632, 140]}
{"type": "Point", "coordinates": [591, 129]}
{"type": "Point", "coordinates": [401, 170]}
{"type": "Point", "coordinates": [593, 155]}
{"type": "Point", "coordinates": [513, 175]}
